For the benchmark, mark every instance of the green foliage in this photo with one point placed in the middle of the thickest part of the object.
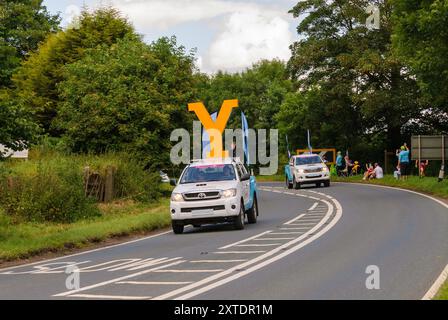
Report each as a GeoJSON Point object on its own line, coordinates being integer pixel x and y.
{"type": "Point", "coordinates": [23, 24]}
{"type": "Point", "coordinates": [37, 78]}
{"type": "Point", "coordinates": [127, 97]}
{"type": "Point", "coordinates": [420, 36]}
{"type": "Point", "coordinates": [17, 128]}
{"type": "Point", "coordinates": [53, 193]}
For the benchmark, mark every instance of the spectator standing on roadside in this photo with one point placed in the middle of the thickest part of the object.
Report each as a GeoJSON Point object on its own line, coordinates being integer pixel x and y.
{"type": "Point", "coordinates": [421, 166]}
{"type": "Point", "coordinates": [403, 161]}
{"type": "Point", "coordinates": [339, 166]}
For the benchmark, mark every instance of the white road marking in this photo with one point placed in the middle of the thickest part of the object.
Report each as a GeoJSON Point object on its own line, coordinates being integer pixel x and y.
{"type": "Point", "coordinates": [187, 270]}
{"type": "Point", "coordinates": [276, 253]}
{"type": "Point", "coordinates": [313, 206]}
{"type": "Point", "coordinates": [244, 240]}
{"type": "Point", "coordinates": [294, 219]}
{"type": "Point", "coordinates": [444, 275]}
{"type": "Point", "coordinates": [293, 232]}
{"type": "Point", "coordinates": [67, 293]}
{"type": "Point", "coordinates": [260, 239]}
{"type": "Point", "coordinates": [102, 296]}
{"type": "Point", "coordinates": [294, 228]}
{"type": "Point", "coordinates": [258, 245]}
{"type": "Point", "coordinates": [218, 261]}
{"type": "Point", "coordinates": [84, 252]}
{"type": "Point", "coordinates": [302, 224]}
{"type": "Point", "coordinates": [237, 252]}
{"type": "Point", "coordinates": [155, 282]}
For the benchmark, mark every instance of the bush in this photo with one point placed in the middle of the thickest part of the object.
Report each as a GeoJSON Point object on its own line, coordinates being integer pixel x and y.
{"type": "Point", "coordinates": [50, 187]}
{"type": "Point", "coordinates": [54, 192]}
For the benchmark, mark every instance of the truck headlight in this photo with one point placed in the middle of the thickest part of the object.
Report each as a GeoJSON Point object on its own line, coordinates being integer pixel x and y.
{"type": "Point", "coordinates": [325, 169]}
{"type": "Point", "coordinates": [229, 193]}
{"type": "Point", "coordinates": [176, 197]}
{"type": "Point", "coordinates": [300, 171]}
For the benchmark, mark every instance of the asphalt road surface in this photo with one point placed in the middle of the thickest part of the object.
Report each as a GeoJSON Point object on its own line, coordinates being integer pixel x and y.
{"type": "Point", "coordinates": [314, 243]}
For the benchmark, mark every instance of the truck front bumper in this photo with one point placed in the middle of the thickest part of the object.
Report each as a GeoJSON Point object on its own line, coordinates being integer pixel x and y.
{"type": "Point", "coordinates": [205, 211]}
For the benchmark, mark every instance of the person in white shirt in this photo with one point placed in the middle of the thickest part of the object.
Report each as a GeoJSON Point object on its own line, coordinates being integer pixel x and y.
{"type": "Point", "coordinates": [377, 172]}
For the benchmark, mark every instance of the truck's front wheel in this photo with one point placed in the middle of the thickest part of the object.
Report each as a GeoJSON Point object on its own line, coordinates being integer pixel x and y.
{"type": "Point", "coordinates": [296, 185]}
{"type": "Point", "coordinates": [253, 212]}
{"type": "Point", "coordinates": [177, 228]}
{"type": "Point", "coordinates": [239, 220]}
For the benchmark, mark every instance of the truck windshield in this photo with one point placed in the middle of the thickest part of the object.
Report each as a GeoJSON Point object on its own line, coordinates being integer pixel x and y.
{"type": "Point", "coordinates": [208, 173]}
{"type": "Point", "coordinates": [308, 160]}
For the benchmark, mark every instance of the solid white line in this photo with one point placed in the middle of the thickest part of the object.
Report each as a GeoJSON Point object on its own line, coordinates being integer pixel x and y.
{"type": "Point", "coordinates": [218, 261]}
{"type": "Point", "coordinates": [302, 224]}
{"type": "Point", "coordinates": [436, 285]}
{"type": "Point", "coordinates": [274, 239]}
{"type": "Point", "coordinates": [101, 297]}
{"type": "Point", "coordinates": [293, 228]}
{"type": "Point", "coordinates": [187, 270]}
{"type": "Point", "coordinates": [84, 252]}
{"type": "Point", "coordinates": [67, 293]}
{"type": "Point", "coordinates": [313, 206]}
{"type": "Point", "coordinates": [258, 245]}
{"type": "Point", "coordinates": [279, 256]}
{"type": "Point", "coordinates": [294, 219]}
{"type": "Point", "coordinates": [295, 232]}
{"type": "Point", "coordinates": [155, 282]}
{"type": "Point", "coordinates": [244, 240]}
{"type": "Point", "coordinates": [237, 252]}
{"type": "Point", "coordinates": [272, 252]}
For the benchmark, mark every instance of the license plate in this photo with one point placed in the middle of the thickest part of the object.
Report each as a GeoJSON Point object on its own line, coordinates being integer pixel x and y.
{"type": "Point", "coordinates": [313, 175]}
{"type": "Point", "coordinates": [202, 212]}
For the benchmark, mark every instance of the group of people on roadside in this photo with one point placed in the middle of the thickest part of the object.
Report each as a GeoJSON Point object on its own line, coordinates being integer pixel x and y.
{"type": "Point", "coordinates": [403, 166]}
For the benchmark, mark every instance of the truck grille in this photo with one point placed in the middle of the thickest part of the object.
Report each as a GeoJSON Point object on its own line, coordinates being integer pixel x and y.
{"type": "Point", "coordinates": [221, 207]}
{"type": "Point", "coordinates": [198, 196]}
{"type": "Point", "coordinates": [312, 170]}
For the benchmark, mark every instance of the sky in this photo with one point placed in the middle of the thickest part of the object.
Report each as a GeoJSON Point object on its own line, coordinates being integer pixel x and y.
{"type": "Point", "coordinates": [229, 35]}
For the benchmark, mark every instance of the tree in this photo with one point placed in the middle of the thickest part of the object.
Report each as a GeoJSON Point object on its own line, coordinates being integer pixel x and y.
{"type": "Point", "coordinates": [17, 129]}
{"type": "Point", "coordinates": [127, 97]}
{"type": "Point", "coordinates": [363, 83]}
{"type": "Point", "coordinates": [38, 77]}
{"type": "Point", "coordinates": [420, 37]}
{"type": "Point", "coordinates": [23, 25]}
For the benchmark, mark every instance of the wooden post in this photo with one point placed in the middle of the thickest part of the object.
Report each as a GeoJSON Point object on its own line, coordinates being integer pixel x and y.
{"type": "Point", "coordinates": [109, 184]}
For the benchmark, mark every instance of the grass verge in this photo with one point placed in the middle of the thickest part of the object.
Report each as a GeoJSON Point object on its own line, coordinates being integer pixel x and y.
{"type": "Point", "coordinates": [443, 292]}
{"type": "Point", "coordinates": [24, 240]}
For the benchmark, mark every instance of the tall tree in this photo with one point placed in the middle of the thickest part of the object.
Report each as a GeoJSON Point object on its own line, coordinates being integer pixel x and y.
{"type": "Point", "coordinates": [355, 67]}
{"type": "Point", "coordinates": [37, 79]}
{"type": "Point", "coordinates": [23, 25]}
{"type": "Point", "coordinates": [128, 96]}
{"type": "Point", "coordinates": [421, 37]}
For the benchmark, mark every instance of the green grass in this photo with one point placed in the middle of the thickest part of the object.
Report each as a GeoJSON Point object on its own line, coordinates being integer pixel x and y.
{"type": "Point", "coordinates": [18, 241]}
{"type": "Point", "coordinates": [275, 177]}
{"type": "Point", "coordinates": [428, 185]}
{"type": "Point", "coordinates": [443, 292]}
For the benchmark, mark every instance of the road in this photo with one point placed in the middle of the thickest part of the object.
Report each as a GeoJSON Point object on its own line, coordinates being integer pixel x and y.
{"type": "Point", "coordinates": [313, 243]}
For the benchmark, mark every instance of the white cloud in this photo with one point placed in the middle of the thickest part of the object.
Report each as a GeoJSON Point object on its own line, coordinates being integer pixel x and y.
{"type": "Point", "coordinates": [168, 13]}
{"type": "Point", "coordinates": [249, 37]}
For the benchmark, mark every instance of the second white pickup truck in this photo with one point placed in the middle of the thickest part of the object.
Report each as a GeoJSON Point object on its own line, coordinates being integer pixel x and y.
{"type": "Point", "coordinates": [305, 169]}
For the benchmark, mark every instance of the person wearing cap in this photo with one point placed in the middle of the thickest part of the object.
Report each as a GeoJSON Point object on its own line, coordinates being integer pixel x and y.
{"type": "Point", "coordinates": [403, 161]}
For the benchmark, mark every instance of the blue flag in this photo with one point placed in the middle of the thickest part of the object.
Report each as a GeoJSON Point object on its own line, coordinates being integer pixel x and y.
{"type": "Point", "coordinates": [206, 138]}
{"type": "Point", "coordinates": [310, 149]}
{"type": "Point", "coordinates": [245, 129]}
{"type": "Point", "coordinates": [287, 147]}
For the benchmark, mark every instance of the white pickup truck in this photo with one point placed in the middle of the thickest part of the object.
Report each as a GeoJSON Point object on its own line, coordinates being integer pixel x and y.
{"type": "Point", "coordinates": [305, 169]}
{"type": "Point", "coordinates": [213, 191]}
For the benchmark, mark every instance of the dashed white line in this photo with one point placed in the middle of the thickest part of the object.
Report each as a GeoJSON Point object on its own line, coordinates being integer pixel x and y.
{"type": "Point", "coordinates": [294, 219]}
{"type": "Point", "coordinates": [265, 239]}
{"type": "Point", "coordinates": [187, 270]}
{"type": "Point", "coordinates": [245, 240]}
{"type": "Point", "coordinates": [259, 245]}
{"type": "Point", "coordinates": [100, 284]}
{"type": "Point", "coordinates": [239, 252]}
{"type": "Point", "coordinates": [155, 282]}
{"type": "Point", "coordinates": [313, 206]}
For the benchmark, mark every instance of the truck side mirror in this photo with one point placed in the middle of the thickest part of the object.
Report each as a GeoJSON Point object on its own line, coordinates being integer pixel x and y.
{"type": "Point", "coordinates": [173, 182]}
{"type": "Point", "coordinates": [245, 177]}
